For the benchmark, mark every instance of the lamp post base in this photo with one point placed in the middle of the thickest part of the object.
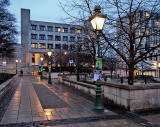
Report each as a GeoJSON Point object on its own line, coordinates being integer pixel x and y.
{"type": "Point", "coordinates": [49, 78]}
{"type": "Point", "coordinates": [49, 82]}
{"type": "Point", "coordinates": [98, 106]}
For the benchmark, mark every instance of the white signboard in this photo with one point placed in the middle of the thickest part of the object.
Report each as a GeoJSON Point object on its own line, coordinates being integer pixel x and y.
{"type": "Point", "coordinates": [70, 61]}
{"type": "Point", "coordinates": [97, 75]}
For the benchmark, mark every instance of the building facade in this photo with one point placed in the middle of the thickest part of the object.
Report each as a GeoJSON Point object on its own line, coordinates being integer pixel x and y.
{"type": "Point", "coordinates": [38, 37]}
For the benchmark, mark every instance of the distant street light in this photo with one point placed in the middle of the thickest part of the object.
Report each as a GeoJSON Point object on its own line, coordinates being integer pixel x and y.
{"type": "Point", "coordinates": [16, 65]}
{"type": "Point", "coordinates": [41, 58]}
{"type": "Point", "coordinates": [97, 21]}
{"type": "Point", "coordinates": [49, 67]}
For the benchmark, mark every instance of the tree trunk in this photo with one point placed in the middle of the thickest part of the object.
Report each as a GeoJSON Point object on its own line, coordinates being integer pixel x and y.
{"type": "Point", "coordinates": [131, 75]}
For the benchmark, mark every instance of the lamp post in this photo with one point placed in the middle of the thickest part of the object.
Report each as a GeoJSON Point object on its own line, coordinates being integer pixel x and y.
{"type": "Point", "coordinates": [97, 21]}
{"type": "Point", "coordinates": [41, 58]}
{"type": "Point", "coordinates": [16, 65]}
{"type": "Point", "coordinates": [49, 67]}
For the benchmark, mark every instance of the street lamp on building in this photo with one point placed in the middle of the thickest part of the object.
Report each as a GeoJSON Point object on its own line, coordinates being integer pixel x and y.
{"type": "Point", "coordinates": [41, 58]}
{"type": "Point", "coordinates": [49, 66]}
{"type": "Point", "coordinates": [97, 21]}
{"type": "Point", "coordinates": [16, 65]}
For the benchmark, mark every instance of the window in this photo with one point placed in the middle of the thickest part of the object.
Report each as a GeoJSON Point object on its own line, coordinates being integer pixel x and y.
{"type": "Point", "coordinates": [57, 38]}
{"type": "Point", "coordinates": [57, 46]}
{"type": "Point", "coordinates": [78, 31]}
{"type": "Point", "coordinates": [50, 46]}
{"type": "Point", "coordinates": [42, 28]}
{"type": "Point", "coordinates": [50, 28]}
{"type": "Point", "coordinates": [65, 38]}
{"type": "Point", "coordinates": [65, 47]}
{"type": "Point", "coordinates": [34, 45]}
{"type": "Point", "coordinates": [33, 36]}
{"type": "Point", "coordinates": [79, 39]}
{"type": "Point", "coordinates": [147, 14]}
{"type": "Point", "coordinates": [72, 39]}
{"type": "Point", "coordinates": [65, 30]}
{"type": "Point", "coordinates": [57, 29]}
{"type": "Point", "coordinates": [147, 32]}
{"type": "Point", "coordinates": [72, 30]}
{"type": "Point", "coordinates": [42, 46]}
{"type": "Point", "coordinates": [34, 27]}
{"type": "Point", "coordinates": [42, 37]}
{"type": "Point", "coordinates": [72, 46]}
{"type": "Point", "coordinates": [50, 37]}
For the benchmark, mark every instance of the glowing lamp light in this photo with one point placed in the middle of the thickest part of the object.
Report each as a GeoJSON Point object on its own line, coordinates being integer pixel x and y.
{"type": "Point", "coordinates": [49, 53]}
{"type": "Point", "coordinates": [41, 58]}
{"type": "Point", "coordinates": [98, 19]}
{"type": "Point", "coordinates": [16, 61]}
{"type": "Point", "coordinates": [65, 53]}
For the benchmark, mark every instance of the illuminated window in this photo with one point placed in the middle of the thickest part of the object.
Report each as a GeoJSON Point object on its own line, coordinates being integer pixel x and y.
{"type": "Point", "coordinates": [35, 58]}
{"type": "Point", "coordinates": [65, 30]}
{"type": "Point", "coordinates": [42, 46]}
{"type": "Point", "coordinates": [139, 32]}
{"type": "Point", "coordinates": [147, 32]}
{"type": "Point", "coordinates": [147, 14]}
{"type": "Point", "coordinates": [34, 45]}
{"type": "Point", "coordinates": [157, 23]}
{"type": "Point", "coordinates": [57, 29]}
{"type": "Point", "coordinates": [78, 31]}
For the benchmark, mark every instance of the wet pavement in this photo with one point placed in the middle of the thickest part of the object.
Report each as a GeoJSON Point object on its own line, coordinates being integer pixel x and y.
{"type": "Point", "coordinates": [35, 103]}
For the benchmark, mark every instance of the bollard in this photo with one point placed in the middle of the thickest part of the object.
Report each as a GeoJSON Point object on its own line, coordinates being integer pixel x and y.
{"type": "Point", "coordinates": [121, 80]}
{"type": "Point", "coordinates": [145, 80]}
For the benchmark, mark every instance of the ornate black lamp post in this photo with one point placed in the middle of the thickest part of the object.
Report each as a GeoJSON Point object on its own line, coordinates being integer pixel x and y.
{"type": "Point", "coordinates": [16, 66]}
{"type": "Point", "coordinates": [97, 21]}
{"type": "Point", "coordinates": [49, 67]}
{"type": "Point", "coordinates": [41, 58]}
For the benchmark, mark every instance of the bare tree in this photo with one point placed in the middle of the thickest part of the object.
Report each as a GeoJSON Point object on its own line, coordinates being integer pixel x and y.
{"type": "Point", "coordinates": [8, 30]}
{"type": "Point", "coordinates": [129, 26]}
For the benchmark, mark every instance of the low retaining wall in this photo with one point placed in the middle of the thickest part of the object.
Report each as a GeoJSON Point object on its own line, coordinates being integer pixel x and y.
{"type": "Point", "coordinates": [133, 98]}
{"type": "Point", "coordinates": [4, 86]}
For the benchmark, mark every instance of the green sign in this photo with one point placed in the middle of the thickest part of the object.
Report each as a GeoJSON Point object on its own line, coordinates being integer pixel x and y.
{"type": "Point", "coordinates": [99, 63]}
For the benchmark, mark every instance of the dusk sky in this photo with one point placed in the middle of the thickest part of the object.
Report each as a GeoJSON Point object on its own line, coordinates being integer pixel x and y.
{"type": "Point", "coordinates": [41, 10]}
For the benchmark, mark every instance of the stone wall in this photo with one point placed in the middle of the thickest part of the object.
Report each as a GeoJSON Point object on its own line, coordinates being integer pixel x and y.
{"type": "Point", "coordinates": [133, 98]}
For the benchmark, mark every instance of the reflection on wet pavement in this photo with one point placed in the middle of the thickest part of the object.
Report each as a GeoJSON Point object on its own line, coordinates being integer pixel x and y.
{"type": "Point", "coordinates": [26, 107]}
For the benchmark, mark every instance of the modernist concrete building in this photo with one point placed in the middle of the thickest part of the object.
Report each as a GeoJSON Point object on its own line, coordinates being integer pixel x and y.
{"type": "Point", "coordinates": [37, 37]}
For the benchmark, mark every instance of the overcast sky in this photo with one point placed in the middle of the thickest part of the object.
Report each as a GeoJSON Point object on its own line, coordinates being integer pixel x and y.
{"type": "Point", "coordinates": [41, 10]}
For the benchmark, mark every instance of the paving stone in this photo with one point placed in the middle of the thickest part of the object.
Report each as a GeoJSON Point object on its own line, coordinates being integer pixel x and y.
{"type": "Point", "coordinates": [71, 109]}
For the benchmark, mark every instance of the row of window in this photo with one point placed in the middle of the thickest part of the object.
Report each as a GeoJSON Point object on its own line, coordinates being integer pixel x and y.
{"type": "Point", "coordinates": [50, 46]}
{"type": "Point", "coordinates": [57, 38]}
{"type": "Point", "coordinates": [56, 29]}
